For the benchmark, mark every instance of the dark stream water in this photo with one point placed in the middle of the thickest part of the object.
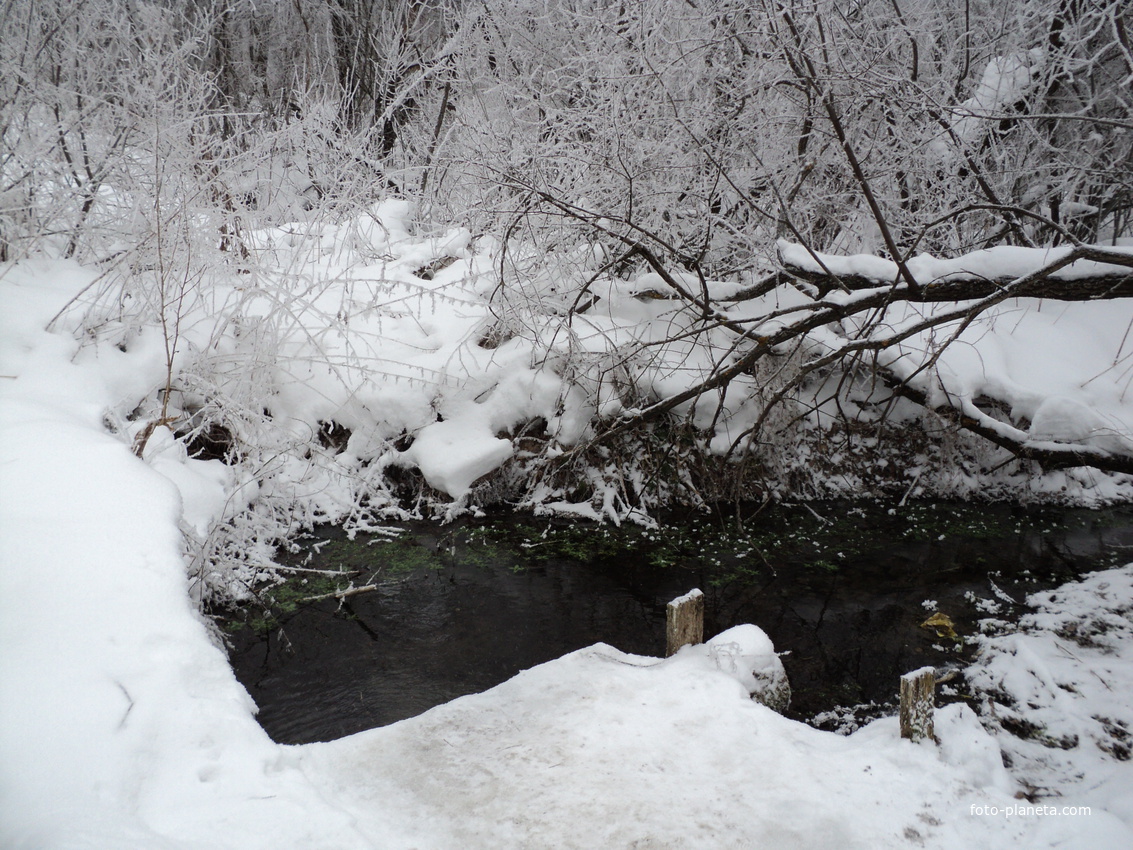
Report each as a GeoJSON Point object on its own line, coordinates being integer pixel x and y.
{"type": "Point", "coordinates": [460, 608]}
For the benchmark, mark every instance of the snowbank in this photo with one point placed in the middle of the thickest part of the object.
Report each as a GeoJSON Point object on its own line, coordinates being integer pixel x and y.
{"type": "Point", "coordinates": [1058, 691]}
{"type": "Point", "coordinates": [604, 749]}
{"type": "Point", "coordinates": [358, 349]}
{"type": "Point", "coordinates": [121, 724]}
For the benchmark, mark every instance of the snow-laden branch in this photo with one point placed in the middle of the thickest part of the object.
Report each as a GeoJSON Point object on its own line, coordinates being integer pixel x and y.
{"type": "Point", "coordinates": [1071, 273]}
{"type": "Point", "coordinates": [1049, 454]}
{"type": "Point", "coordinates": [848, 321]}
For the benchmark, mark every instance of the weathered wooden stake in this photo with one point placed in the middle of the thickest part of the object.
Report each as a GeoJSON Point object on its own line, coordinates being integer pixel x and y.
{"type": "Point", "coordinates": [917, 700]}
{"type": "Point", "coordinates": [684, 621]}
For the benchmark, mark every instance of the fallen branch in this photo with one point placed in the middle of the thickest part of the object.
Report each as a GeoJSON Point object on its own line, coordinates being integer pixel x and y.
{"type": "Point", "coordinates": [839, 288]}
{"type": "Point", "coordinates": [823, 312]}
{"type": "Point", "coordinates": [1096, 288]}
{"type": "Point", "coordinates": [830, 273]}
{"type": "Point", "coordinates": [340, 594]}
{"type": "Point", "coordinates": [1047, 455]}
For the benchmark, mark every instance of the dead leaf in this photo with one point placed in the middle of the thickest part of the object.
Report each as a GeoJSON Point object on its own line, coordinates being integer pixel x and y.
{"type": "Point", "coordinates": [941, 624]}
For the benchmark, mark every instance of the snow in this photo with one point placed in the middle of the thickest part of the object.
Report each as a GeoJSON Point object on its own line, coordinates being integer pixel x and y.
{"type": "Point", "coordinates": [1045, 361]}
{"type": "Point", "coordinates": [202, 485]}
{"type": "Point", "coordinates": [746, 653]}
{"type": "Point", "coordinates": [695, 593]}
{"type": "Point", "coordinates": [1005, 81]}
{"type": "Point", "coordinates": [603, 749]}
{"type": "Point", "coordinates": [454, 453]}
{"type": "Point", "coordinates": [122, 725]}
{"type": "Point", "coordinates": [1067, 672]}
{"type": "Point", "coordinates": [1059, 370]}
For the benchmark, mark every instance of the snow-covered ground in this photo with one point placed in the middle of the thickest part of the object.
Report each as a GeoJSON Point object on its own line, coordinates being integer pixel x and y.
{"type": "Point", "coordinates": [1057, 691]}
{"type": "Point", "coordinates": [122, 726]}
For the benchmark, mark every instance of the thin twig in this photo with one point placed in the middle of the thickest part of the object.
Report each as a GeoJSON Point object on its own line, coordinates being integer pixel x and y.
{"type": "Point", "coordinates": [341, 594]}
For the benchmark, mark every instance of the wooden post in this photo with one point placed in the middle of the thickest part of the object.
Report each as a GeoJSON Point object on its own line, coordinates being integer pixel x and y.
{"type": "Point", "coordinates": [684, 621]}
{"type": "Point", "coordinates": [917, 699]}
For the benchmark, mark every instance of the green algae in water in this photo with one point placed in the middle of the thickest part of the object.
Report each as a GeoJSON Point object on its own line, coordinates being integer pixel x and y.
{"type": "Point", "coordinates": [389, 556]}
{"type": "Point", "coordinates": [823, 537]}
{"type": "Point", "coordinates": [721, 549]}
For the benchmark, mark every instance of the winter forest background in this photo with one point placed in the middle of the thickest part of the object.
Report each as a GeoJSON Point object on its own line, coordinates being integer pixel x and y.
{"type": "Point", "coordinates": [588, 256]}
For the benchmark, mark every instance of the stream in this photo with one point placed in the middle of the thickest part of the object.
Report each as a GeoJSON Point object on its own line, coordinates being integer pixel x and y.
{"type": "Point", "coordinates": [842, 588]}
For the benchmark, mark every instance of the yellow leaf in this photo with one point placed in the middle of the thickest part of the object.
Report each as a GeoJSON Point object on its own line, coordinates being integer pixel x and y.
{"type": "Point", "coordinates": [942, 624]}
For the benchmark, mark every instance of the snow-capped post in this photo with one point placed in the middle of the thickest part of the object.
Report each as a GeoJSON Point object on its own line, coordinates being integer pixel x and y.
{"type": "Point", "coordinates": [684, 621]}
{"type": "Point", "coordinates": [917, 699]}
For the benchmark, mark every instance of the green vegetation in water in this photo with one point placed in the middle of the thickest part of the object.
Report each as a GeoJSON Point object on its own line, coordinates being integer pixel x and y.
{"type": "Point", "coordinates": [821, 537]}
{"type": "Point", "coordinates": [284, 598]}
{"type": "Point", "coordinates": [533, 545]}
{"type": "Point", "coordinates": [347, 563]}
{"type": "Point", "coordinates": [392, 557]}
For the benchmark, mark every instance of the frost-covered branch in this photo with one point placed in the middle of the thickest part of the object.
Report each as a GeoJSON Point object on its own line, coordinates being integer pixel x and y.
{"type": "Point", "coordinates": [1081, 273]}
{"type": "Point", "coordinates": [873, 287]}
{"type": "Point", "coordinates": [1046, 453]}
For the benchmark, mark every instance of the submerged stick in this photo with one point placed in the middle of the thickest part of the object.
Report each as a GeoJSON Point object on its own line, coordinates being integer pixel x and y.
{"type": "Point", "coordinates": [340, 594]}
